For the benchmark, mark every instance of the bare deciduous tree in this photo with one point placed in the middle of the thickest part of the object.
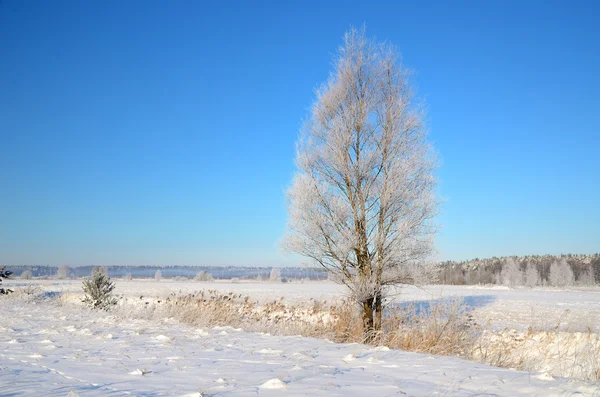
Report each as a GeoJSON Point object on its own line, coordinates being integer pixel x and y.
{"type": "Point", "coordinates": [532, 276]}
{"type": "Point", "coordinates": [511, 273]}
{"type": "Point", "coordinates": [362, 202]}
{"type": "Point", "coordinates": [62, 272]}
{"type": "Point", "coordinates": [275, 275]}
{"type": "Point", "coordinates": [561, 274]}
{"type": "Point", "coordinates": [203, 276]}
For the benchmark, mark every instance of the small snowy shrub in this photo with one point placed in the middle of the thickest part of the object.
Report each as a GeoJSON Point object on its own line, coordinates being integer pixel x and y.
{"type": "Point", "coordinates": [26, 275]}
{"type": "Point", "coordinates": [4, 274]}
{"type": "Point", "coordinates": [98, 291]}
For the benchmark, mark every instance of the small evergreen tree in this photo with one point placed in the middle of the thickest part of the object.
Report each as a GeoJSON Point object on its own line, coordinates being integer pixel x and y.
{"type": "Point", "coordinates": [4, 274]}
{"type": "Point", "coordinates": [98, 291]}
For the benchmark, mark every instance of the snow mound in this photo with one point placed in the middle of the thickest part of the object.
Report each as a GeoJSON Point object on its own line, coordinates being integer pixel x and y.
{"type": "Point", "coordinates": [545, 376]}
{"type": "Point", "coordinates": [162, 338]}
{"type": "Point", "coordinates": [273, 384]}
{"type": "Point", "coordinates": [268, 350]}
{"type": "Point", "coordinates": [139, 372]}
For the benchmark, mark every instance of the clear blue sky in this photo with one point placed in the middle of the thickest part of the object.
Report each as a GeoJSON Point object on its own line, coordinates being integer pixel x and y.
{"type": "Point", "coordinates": [144, 132]}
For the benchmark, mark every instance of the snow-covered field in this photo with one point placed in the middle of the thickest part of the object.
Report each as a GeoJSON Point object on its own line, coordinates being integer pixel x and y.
{"type": "Point", "coordinates": [53, 349]}
{"type": "Point", "coordinates": [541, 308]}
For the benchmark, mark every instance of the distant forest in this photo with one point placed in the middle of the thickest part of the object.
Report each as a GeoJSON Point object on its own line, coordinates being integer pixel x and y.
{"type": "Point", "coordinates": [534, 270]}
{"type": "Point", "coordinates": [180, 272]}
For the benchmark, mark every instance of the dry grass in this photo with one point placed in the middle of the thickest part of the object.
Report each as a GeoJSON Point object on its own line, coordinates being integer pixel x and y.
{"type": "Point", "coordinates": [443, 327]}
{"type": "Point", "coordinates": [554, 352]}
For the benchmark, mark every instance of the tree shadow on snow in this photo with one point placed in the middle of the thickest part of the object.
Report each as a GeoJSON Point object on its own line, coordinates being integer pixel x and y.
{"type": "Point", "coordinates": [468, 303]}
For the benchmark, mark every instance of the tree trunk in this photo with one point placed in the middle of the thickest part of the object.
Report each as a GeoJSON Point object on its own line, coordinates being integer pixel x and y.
{"type": "Point", "coordinates": [378, 312]}
{"type": "Point", "coordinates": [368, 326]}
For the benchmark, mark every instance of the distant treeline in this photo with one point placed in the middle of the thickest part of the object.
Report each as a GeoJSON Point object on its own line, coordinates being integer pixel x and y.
{"type": "Point", "coordinates": [217, 272]}
{"type": "Point", "coordinates": [535, 270]}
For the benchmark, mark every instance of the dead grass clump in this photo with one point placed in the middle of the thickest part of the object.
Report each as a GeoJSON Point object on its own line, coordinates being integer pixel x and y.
{"type": "Point", "coordinates": [554, 352]}
{"type": "Point", "coordinates": [444, 327]}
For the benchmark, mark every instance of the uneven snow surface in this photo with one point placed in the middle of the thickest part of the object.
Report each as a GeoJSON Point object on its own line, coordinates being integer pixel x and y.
{"type": "Point", "coordinates": [49, 349]}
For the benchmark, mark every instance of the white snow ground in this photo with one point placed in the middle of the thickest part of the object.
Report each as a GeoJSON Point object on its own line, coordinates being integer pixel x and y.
{"type": "Point", "coordinates": [64, 350]}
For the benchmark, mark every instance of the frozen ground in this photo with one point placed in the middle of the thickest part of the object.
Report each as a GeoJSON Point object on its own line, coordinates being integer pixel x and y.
{"type": "Point", "coordinates": [64, 350]}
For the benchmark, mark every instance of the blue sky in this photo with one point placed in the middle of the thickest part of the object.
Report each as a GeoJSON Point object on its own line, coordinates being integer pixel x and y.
{"type": "Point", "coordinates": [146, 132]}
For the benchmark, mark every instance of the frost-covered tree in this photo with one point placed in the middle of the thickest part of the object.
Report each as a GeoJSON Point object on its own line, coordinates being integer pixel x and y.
{"type": "Point", "coordinates": [62, 272]}
{"type": "Point", "coordinates": [275, 275]}
{"type": "Point", "coordinates": [566, 273]}
{"type": "Point", "coordinates": [26, 275]}
{"type": "Point", "coordinates": [158, 275]}
{"type": "Point", "coordinates": [561, 274]}
{"type": "Point", "coordinates": [203, 276]}
{"type": "Point", "coordinates": [511, 273]}
{"type": "Point", "coordinates": [532, 276]}
{"type": "Point", "coordinates": [554, 275]}
{"type": "Point", "coordinates": [362, 202]}
{"type": "Point", "coordinates": [586, 277]}
{"type": "Point", "coordinates": [4, 274]}
{"type": "Point", "coordinates": [98, 291]}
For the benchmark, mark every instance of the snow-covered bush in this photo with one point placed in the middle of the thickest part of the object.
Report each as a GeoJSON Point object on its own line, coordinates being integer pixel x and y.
{"type": "Point", "coordinates": [4, 274]}
{"type": "Point", "coordinates": [98, 291]}
{"type": "Point", "coordinates": [203, 276]}
{"type": "Point", "coordinates": [26, 275]}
